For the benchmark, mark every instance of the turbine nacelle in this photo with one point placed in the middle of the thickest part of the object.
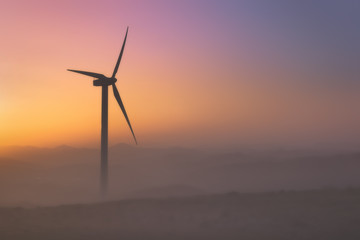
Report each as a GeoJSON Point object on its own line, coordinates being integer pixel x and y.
{"type": "Point", "coordinates": [104, 81]}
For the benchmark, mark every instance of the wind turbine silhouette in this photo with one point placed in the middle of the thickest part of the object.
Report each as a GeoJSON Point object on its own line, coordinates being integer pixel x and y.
{"type": "Point", "coordinates": [104, 82]}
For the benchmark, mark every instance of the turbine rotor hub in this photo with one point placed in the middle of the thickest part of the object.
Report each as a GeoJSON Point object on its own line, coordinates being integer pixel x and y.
{"type": "Point", "coordinates": [104, 81]}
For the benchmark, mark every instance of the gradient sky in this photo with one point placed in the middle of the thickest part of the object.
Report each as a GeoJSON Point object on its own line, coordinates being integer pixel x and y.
{"type": "Point", "coordinates": [194, 73]}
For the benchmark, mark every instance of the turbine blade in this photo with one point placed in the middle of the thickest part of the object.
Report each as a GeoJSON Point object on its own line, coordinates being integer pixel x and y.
{"type": "Point", "coordinates": [91, 74]}
{"type": "Point", "coordinates": [118, 99]}
{"type": "Point", "coordinates": [120, 55]}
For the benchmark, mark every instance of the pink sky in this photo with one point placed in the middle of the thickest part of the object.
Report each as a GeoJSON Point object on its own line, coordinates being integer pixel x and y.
{"type": "Point", "coordinates": [194, 73]}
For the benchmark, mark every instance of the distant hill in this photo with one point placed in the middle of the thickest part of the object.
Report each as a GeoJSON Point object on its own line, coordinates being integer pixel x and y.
{"type": "Point", "coordinates": [167, 192]}
{"type": "Point", "coordinates": [320, 215]}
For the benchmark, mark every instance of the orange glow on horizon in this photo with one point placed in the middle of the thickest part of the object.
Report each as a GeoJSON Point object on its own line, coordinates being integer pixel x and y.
{"type": "Point", "coordinates": [203, 80]}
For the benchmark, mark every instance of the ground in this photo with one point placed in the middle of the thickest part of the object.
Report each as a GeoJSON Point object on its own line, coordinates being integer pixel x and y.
{"type": "Point", "coordinates": [313, 214]}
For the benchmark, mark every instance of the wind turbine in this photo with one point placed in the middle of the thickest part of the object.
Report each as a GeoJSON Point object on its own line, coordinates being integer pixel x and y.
{"type": "Point", "coordinates": [104, 82]}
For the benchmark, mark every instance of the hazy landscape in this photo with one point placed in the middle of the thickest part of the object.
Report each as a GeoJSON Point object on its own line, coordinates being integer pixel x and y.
{"type": "Point", "coordinates": [321, 214]}
{"type": "Point", "coordinates": [238, 120]}
{"type": "Point", "coordinates": [178, 193]}
{"type": "Point", "coordinates": [31, 176]}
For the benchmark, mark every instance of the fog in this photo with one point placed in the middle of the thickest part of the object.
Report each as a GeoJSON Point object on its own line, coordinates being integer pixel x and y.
{"type": "Point", "coordinates": [31, 176]}
{"type": "Point", "coordinates": [322, 214]}
{"type": "Point", "coordinates": [179, 193]}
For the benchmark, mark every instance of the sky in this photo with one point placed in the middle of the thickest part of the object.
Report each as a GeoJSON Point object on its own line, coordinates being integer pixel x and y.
{"type": "Point", "coordinates": [194, 73]}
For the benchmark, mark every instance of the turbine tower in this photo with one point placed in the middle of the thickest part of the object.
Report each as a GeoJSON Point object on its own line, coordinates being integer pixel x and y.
{"type": "Point", "coordinates": [105, 82]}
